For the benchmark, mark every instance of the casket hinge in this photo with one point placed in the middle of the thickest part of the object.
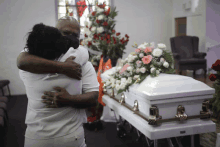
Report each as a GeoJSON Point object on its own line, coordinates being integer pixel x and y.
{"type": "Point", "coordinates": [154, 116]}
{"type": "Point", "coordinates": [122, 99]}
{"type": "Point", "coordinates": [206, 112]}
{"type": "Point", "coordinates": [181, 115]}
{"type": "Point", "coordinates": [135, 108]}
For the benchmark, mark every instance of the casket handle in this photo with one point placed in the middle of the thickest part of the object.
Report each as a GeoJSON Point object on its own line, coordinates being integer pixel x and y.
{"type": "Point", "coordinates": [122, 99]}
{"type": "Point", "coordinates": [181, 115]}
{"type": "Point", "coordinates": [154, 116]}
{"type": "Point", "coordinates": [206, 112]}
{"type": "Point", "coordinates": [135, 108]}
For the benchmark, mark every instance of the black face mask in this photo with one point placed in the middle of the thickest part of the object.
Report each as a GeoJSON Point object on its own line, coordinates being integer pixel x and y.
{"type": "Point", "coordinates": [73, 40]}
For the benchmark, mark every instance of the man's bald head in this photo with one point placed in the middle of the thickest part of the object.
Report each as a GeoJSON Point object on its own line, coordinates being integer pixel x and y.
{"type": "Point", "coordinates": [68, 25]}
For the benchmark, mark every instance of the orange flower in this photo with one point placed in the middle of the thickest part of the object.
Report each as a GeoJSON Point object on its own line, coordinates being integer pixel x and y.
{"type": "Point", "coordinates": [147, 59]}
{"type": "Point", "coordinates": [148, 50]}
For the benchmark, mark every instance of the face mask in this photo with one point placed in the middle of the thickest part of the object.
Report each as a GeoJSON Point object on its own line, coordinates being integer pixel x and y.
{"type": "Point", "coordinates": [73, 40]}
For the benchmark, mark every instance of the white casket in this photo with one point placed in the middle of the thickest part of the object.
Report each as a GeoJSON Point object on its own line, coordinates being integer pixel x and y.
{"type": "Point", "coordinates": [175, 97]}
{"type": "Point", "coordinates": [168, 94]}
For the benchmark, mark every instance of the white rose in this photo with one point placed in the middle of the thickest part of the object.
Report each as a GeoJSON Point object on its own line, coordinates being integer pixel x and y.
{"type": "Point", "coordinates": [143, 46]}
{"type": "Point", "coordinates": [166, 64]}
{"type": "Point", "coordinates": [136, 77]}
{"type": "Point", "coordinates": [129, 68]}
{"type": "Point", "coordinates": [138, 65]}
{"type": "Point", "coordinates": [112, 80]}
{"type": "Point", "coordinates": [137, 70]}
{"type": "Point", "coordinates": [157, 52]}
{"type": "Point", "coordinates": [143, 69]}
{"type": "Point", "coordinates": [93, 29]}
{"type": "Point", "coordinates": [113, 85]}
{"type": "Point", "coordinates": [122, 86]}
{"type": "Point", "coordinates": [162, 60]}
{"type": "Point", "coordinates": [99, 10]}
{"type": "Point", "coordinates": [118, 81]}
{"type": "Point", "coordinates": [86, 23]}
{"type": "Point", "coordinates": [117, 87]}
{"type": "Point", "coordinates": [100, 17]}
{"type": "Point", "coordinates": [157, 72]}
{"type": "Point", "coordinates": [88, 33]}
{"type": "Point", "coordinates": [108, 83]}
{"type": "Point", "coordinates": [152, 69]}
{"type": "Point", "coordinates": [129, 80]}
{"type": "Point", "coordinates": [126, 59]}
{"type": "Point", "coordinates": [130, 59]}
{"type": "Point", "coordinates": [89, 25]}
{"type": "Point", "coordinates": [118, 68]}
{"type": "Point", "coordinates": [134, 57]}
{"type": "Point", "coordinates": [86, 30]}
{"type": "Point", "coordinates": [100, 29]}
{"type": "Point", "coordinates": [123, 80]}
{"type": "Point", "coordinates": [89, 39]}
{"type": "Point", "coordinates": [161, 46]}
{"type": "Point", "coordinates": [89, 15]}
{"type": "Point", "coordinates": [141, 55]}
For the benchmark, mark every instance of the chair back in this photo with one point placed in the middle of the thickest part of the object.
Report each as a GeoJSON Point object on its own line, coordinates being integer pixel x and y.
{"type": "Point", "coordinates": [185, 46]}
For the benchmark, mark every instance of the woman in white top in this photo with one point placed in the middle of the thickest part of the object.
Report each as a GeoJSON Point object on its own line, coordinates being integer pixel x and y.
{"type": "Point", "coordinates": [55, 127]}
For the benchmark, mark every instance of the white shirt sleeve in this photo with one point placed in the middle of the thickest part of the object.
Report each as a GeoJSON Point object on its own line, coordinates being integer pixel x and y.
{"type": "Point", "coordinates": [89, 78]}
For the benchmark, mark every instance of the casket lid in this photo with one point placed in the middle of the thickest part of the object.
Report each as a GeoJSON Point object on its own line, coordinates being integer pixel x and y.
{"type": "Point", "coordinates": [167, 86]}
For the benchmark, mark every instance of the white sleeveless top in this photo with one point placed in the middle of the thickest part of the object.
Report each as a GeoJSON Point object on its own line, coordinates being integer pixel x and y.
{"type": "Point", "coordinates": [44, 123]}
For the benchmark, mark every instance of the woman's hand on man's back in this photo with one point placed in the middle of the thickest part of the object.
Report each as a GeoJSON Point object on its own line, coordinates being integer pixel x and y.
{"type": "Point", "coordinates": [71, 68]}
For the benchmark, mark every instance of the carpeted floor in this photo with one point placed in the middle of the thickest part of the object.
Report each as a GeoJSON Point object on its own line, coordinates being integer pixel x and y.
{"type": "Point", "coordinates": [107, 137]}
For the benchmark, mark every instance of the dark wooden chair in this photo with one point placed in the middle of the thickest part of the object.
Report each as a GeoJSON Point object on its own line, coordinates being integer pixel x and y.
{"type": "Point", "coordinates": [186, 54]}
{"type": "Point", "coordinates": [4, 83]}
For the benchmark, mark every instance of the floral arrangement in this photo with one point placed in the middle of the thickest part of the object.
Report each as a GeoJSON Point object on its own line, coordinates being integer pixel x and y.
{"type": "Point", "coordinates": [100, 34]}
{"type": "Point", "coordinates": [216, 97]}
{"type": "Point", "coordinates": [146, 60]}
{"type": "Point", "coordinates": [95, 61]}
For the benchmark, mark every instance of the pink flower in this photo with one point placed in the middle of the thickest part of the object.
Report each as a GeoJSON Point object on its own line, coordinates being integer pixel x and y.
{"type": "Point", "coordinates": [137, 50]}
{"type": "Point", "coordinates": [148, 49]}
{"type": "Point", "coordinates": [147, 59]}
{"type": "Point", "coordinates": [124, 68]}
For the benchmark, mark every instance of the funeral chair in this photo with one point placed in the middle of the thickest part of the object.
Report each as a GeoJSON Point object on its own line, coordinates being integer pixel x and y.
{"type": "Point", "coordinates": [186, 54]}
{"type": "Point", "coordinates": [4, 83]}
